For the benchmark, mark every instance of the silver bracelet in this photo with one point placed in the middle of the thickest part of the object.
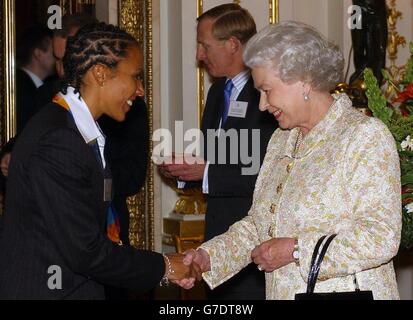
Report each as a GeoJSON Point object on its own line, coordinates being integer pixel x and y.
{"type": "Point", "coordinates": [165, 279]}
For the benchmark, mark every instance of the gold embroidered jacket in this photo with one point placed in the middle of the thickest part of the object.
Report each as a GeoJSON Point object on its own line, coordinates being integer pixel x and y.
{"type": "Point", "coordinates": [344, 179]}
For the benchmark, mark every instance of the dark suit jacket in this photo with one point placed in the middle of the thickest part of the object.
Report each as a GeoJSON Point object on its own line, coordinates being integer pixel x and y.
{"type": "Point", "coordinates": [230, 193]}
{"type": "Point", "coordinates": [26, 92]}
{"type": "Point", "coordinates": [55, 215]}
{"type": "Point", "coordinates": [126, 151]}
{"type": "Point", "coordinates": [25, 95]}
{"type": "Point", "coordinates": [127, 148]}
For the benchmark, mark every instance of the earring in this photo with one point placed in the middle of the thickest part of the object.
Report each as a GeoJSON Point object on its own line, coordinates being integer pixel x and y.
{"type": "Point", "coordinates": [306, 97]}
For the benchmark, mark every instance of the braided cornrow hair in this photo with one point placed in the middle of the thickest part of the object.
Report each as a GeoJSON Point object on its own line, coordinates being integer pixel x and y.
{"type": "Point", "coordinates": [97, 43]}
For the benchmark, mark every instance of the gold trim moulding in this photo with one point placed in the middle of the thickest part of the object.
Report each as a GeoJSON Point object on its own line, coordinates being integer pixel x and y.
{"type": "Point", "coordinates": [274, 11]}
{"type": "Point", "coordinates": [10, 67]}
{"type": "Point", "coordinates": [135, 16]}
{"type": "Point", "coordinates": [200, 73]}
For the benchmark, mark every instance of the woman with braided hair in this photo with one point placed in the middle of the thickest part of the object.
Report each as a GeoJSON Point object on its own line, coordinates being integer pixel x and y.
{"type": "Point", "coordinates": [59, 236]}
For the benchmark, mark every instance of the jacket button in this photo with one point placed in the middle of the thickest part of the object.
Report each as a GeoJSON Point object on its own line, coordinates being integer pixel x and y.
{"type": "Point", "coordinates": [271, 231]}
{"type": "Point", "coordinates": [272, 208]}
{"type": "Point", "coordinates": [279, 188]}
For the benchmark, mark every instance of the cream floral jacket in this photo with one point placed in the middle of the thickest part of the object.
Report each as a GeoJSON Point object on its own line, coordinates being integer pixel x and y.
{"type": "Point", "coordinates": [344, 179]}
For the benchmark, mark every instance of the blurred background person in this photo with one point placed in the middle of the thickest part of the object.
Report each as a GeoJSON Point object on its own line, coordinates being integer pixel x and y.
{"type": "Point", "coordinates": [35, 62]}
{"type": "Point", "coordinates": [222, 33]}
{"type": "Point", "coordinates": [35, 65]}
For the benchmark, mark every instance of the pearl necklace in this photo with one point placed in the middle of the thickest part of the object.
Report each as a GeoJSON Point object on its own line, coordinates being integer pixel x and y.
{"type": "Point", "coordinates": [298, 142]}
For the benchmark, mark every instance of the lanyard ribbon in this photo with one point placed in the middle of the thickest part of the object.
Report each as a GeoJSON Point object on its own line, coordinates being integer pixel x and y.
{"type": "Point", "coordinates": [112, 217]}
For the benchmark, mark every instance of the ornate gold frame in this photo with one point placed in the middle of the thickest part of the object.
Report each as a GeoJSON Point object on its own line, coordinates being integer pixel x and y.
{"type": "Point", "coordinates": [135, 16]}
{"type": "Point", "coordinates": [7, 85]}
{"type": "Point", "coordinates": [273, 6]}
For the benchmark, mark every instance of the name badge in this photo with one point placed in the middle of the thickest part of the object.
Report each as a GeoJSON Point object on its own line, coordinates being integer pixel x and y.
{"type": "Point", "coordinates": [237, 109]}
{"type": "Point", "coordinates": [107, 190]}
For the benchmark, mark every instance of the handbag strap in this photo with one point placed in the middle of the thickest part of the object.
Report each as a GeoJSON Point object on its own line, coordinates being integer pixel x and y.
{"type": "Point", "coordinates": [313, 259]}
{"type": "Point", "coordinates": [315, 265]}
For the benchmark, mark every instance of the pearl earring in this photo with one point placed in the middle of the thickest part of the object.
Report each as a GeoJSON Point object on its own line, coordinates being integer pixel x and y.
{"type": "Point", "coordinates": [306, 97]}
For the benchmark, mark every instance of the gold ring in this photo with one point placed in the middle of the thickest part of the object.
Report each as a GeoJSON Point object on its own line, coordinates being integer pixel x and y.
{"type": "Point", "coordinates": [260, 268]}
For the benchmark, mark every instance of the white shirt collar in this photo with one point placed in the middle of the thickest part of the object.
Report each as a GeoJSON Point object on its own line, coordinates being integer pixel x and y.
{"type": "Point", "coordinates": [87, 126]}
{"type": "Point", "coordinates": [36, 80]}
{"type": "Point", "coordinates": [241, 79]}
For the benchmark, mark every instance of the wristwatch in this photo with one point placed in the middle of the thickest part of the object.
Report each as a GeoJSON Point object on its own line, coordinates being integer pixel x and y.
{"type": "Point", "coordinates": [296, 253]}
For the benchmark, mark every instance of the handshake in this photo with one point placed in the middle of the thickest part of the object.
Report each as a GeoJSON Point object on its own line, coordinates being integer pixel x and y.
{"type": "Point", "coordinates": [184, 269]}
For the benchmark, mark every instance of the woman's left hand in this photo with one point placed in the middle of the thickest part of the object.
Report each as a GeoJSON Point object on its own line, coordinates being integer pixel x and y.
{"type": "Point", "coordinates": [273, 254]}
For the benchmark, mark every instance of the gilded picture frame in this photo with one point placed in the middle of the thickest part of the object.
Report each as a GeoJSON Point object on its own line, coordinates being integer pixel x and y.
{"type": "Point", "coordinates": [135, 16]}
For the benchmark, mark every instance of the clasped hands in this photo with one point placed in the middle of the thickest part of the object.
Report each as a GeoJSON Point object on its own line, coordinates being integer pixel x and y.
{"type": "Point", "coordinates": [184, 167]}
{"type": "Point", "coordinates": [268, 256]}
{"type": "Point", "coordinates": [186, 268]}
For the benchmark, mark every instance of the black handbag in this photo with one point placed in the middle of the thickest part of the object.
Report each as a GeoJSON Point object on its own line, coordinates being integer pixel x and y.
{"type": "Point", "coordinates": [316, 261]}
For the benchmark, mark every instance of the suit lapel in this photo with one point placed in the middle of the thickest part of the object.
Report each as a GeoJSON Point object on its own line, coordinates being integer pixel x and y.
{"type": "Point", "coordinates": [245, 95]}
{"type": "Point", "coordinates": [94, 149]}
{"type": "Point", "coordinates": [214, 107]}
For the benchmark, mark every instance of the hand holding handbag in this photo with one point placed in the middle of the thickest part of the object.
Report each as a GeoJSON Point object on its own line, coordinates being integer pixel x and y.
{"type": "Point", "coordinates": [316, 261]}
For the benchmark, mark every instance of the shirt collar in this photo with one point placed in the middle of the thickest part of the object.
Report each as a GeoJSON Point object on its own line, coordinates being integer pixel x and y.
{"type": "Point", "coordinates": [241, 79]}
{"type": "Point", "coordinates": [87, 126]}
{"type": "Point", "coordinates": [36, 80]}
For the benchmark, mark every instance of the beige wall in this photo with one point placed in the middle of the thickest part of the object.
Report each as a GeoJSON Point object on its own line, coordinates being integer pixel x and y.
{"type": "Point", "coordinates": [107, 11]}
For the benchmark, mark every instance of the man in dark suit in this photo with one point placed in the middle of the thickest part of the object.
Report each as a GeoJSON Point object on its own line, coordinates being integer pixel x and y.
{"type": "Point", "coordinates": [35, 64]}
{"type": "Point", "coordinates": [232, 103]}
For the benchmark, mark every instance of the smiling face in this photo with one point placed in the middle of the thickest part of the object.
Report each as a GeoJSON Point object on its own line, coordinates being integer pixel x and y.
{"type": "Point", "coordinates": [122, 86]}
{"type": "Point", "coordinates": [215, 55]}
{"type": "Point", "coordinates": [284, 101]}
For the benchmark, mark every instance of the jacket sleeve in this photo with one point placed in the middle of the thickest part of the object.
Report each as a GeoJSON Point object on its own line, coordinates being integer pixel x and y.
{"type": "Point", "coordinates": [372, 189]}
{"type": "Point", "coordinates": [230, 252]}
{"type": "Point", "coordinates": [60, 173]}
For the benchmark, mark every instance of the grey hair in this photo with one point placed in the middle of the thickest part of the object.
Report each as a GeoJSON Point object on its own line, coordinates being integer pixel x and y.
{"type": "Point", "coordinates": [297, 52]}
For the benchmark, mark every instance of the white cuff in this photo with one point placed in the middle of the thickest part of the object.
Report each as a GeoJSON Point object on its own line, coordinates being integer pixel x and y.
{"type": "Point", "coordinates": [181, 184]}
{"type": "Point", "coordinates": [205, 179]}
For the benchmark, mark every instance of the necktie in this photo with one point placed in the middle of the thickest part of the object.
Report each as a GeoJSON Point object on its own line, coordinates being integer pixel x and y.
{"type": "Point", "coordinates": [227, 98]}
{"type": "Point", "coordinates": [95, 147]}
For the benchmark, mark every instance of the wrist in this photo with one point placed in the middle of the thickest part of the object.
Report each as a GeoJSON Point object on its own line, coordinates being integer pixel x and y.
{"type": "Point", "coordinates": [296, 253]}
{"type": "Point", "coordinates": [168, 271]}
{"type": "Point", "coordinates": [206, 262]}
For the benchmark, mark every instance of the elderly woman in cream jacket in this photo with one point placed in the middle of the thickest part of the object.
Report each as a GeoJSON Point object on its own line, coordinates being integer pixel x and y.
{"type": "Point", "coordinates": [328, 170]}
